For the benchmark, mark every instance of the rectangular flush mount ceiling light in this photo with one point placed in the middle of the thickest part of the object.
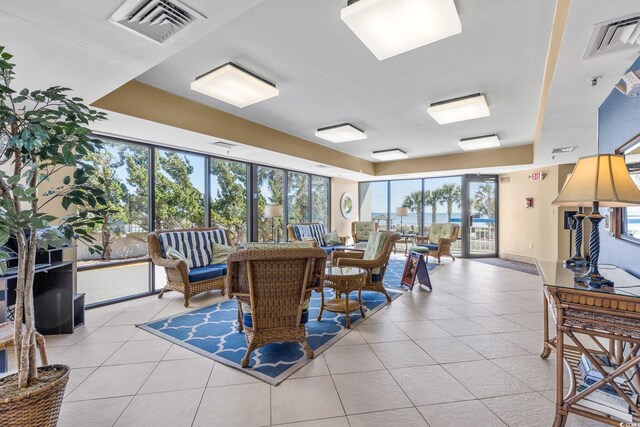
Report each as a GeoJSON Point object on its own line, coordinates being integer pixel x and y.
{"type": "Point", "coordinates": [479, 142]}
{"type": "Point", "coordinates": [234, 85]}
{"type": "Point", "coordinates": [392, 27]}
{"type": "Point", "coordinates": [341, 133]}
{"type": "Point", "coordinates": [459, 109]}
{"type": "Point", "coordinates": [393, 154]}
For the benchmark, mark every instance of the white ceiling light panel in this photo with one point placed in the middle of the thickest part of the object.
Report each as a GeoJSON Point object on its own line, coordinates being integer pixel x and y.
{"type": "Point", "coordinates": [479, 142]}
{"type": "Point", "coordinates": [394, 154]}
{"type": "Point", "coordinates": [341, 133]}
{"type": "Point", "coordinates": [234, 85]}
{"type": "Point", "coordinates": [459, 109]}
{"type": "Point", "coordinates": [392, 27]}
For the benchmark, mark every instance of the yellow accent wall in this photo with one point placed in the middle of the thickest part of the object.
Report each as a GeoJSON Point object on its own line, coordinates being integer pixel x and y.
{"type": "Point", "coordinates": [528, 233]}
{"type": "Point", "coordinates": [340, 186]}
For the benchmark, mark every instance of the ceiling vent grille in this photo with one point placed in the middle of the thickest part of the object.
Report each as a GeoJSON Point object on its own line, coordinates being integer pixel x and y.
{"type": "Point", "coordinates": [560, 150]}
{"type": "Point", "coordinates": [156, 20]}
{"type": "Point", "coordinates": [611, 36]}
{"type": "Point", "coordinates": [224, 144]}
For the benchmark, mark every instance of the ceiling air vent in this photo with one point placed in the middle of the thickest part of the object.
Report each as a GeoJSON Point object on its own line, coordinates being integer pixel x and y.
{"type": "Point", "coordinates": [156, 20]}
{"type": "Point", "coordinates": [224, 144]}
{"type": "Point", "coordinates": [617, 34]}
{"type": "Point", "coordinates": [563, 149]}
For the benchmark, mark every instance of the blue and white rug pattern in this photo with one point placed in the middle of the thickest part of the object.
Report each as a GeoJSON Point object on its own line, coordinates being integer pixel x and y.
{"type": "Point", "coordinates": [212, 332]}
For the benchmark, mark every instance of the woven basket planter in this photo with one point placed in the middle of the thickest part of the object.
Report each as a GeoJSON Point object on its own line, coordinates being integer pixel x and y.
{"type": "Point", "coordinates": [40, 407]}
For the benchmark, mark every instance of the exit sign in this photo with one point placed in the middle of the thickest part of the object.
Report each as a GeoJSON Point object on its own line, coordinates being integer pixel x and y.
{"type": "Point", "coordinates": [537, 176]}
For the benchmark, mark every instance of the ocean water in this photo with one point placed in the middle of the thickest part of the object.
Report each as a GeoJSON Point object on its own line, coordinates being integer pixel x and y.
{"type": "Point", "coordinates": [441, 217]}
{"type": "Point", "coordinates": [412, 218]}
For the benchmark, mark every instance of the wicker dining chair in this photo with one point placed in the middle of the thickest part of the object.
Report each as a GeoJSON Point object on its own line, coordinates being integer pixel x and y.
{"type": "Point", "coordinates": [273, 288]}
{"type": "Point", "coordinates": [374, 259]}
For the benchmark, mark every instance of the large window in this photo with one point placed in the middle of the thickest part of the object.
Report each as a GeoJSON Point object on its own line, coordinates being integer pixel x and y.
{"type": "Point", "coordinates": [374, 202]}
{"type": "Point", "coordinates": [179, 190]}
{"type": "Point", "coordinates": [408, 194]}
{"type": "Point", "coordinates": [270, 192]}
{"type": "Point", "coordinates": [124, 171]}
{"type": "Point", "coordinates": [298, 197]}
{"type": "Point", "coordinates": [442, 200]}
{"type": "Point", "coordinates": [320, 200]}
{"type": "Point", "coordinates": [228, 181]}
{"type": "Point", "coordinates": [187, 190]}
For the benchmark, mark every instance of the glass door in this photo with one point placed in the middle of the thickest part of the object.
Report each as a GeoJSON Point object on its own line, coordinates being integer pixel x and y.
{"type": "Point", "coordinates": [479, 226]}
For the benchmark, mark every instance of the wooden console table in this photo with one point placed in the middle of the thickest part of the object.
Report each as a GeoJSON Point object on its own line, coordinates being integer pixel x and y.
{"type": "Point", "coordinates": [608, 319]}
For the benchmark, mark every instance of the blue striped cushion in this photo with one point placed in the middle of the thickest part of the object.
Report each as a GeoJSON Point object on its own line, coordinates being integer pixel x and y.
{"type": "Point", "coordinates": [317, 232]}
{"type": "Point", "coordinates": [195, 245]}
{"type": "Point", "coordinates": [198, 247]}
{"type": "Point", "coordinates": [173, 240]}
{"type": "Point", "coordinates": [302, 231]}
{"type": "Point", "coordinates": [310, 230]}
{"type": "Point", "coordinates": [217, 236]}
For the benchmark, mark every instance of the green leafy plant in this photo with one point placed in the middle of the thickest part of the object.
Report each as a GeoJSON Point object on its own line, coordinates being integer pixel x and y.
{"type": "Point", "coordinates": [44, 133]}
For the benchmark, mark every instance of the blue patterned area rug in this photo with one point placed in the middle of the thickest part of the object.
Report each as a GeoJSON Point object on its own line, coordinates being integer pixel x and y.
{"type": "Point", "coordinates": [395, 269]}
{"type": "Point", "coordinates": [212, 332]}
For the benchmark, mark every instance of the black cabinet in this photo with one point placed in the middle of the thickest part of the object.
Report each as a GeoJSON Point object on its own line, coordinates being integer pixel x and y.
{"type": "Point", "coordinates": [58, 309]}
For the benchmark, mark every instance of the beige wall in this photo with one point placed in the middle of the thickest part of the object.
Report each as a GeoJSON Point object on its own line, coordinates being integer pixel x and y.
{"type": "Point", "coordinates": [528, 233]}
{"type": "Point", "coordinates": [150, 103]}
{"type": "Point", "coordinates": [338, 222]}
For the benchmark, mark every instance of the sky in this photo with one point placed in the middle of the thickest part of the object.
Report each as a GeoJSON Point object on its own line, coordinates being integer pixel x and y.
{"type": "Point", "coordinates": [399, 189]}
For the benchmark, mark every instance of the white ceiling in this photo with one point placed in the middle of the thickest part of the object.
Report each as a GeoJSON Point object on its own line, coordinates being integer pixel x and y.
{"type": "Point", "coordinates": [71, 42]}
{"type": "Point", "coordinates": [572, 110]}
{"type": "Point", "coordinates": [327, 76]}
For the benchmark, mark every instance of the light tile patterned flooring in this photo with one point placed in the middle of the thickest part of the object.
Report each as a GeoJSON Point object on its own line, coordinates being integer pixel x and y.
{"type": "Point", "coordinates": [464, 355]}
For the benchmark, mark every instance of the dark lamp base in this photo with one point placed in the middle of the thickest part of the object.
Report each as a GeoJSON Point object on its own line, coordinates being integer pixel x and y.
{"type": "Point", "coordinates": [576, 262]}
{"type": "Point", "coordinates": [594, 280]}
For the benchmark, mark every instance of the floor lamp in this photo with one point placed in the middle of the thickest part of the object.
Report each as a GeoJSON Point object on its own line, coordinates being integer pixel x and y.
{"type": "Point", "coordinates": [402, 212]}
{"type": "Point", "coordinates": [273, 211]}
{"type": "Point", "coordinates": [596, 181]}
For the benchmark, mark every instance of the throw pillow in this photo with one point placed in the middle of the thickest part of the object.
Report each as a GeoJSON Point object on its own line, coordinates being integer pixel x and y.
{"type": "Point", "coordinates": [332, 239]}
{"type": "Point", "coordinates": [173, 253]}
{"type": "Point", "coordinates": [220, 253]}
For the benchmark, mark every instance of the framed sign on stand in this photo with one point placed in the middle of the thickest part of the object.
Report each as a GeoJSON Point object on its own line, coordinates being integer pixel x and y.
{"type": "Point", "coordinates": [416, 269]}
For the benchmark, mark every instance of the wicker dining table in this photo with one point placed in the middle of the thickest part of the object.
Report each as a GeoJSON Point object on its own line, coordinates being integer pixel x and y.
{"type": "Point", "coordinates": [343, 280]}
{"type": "Point", "coordinates": [596, 324]}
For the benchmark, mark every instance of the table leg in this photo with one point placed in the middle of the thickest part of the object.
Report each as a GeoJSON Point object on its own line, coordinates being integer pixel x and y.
{"type": "Point", "coordinates": [321, 304]}
{"type": "Point", "coordinates": [346, 308]}
{"type": "Point", "coordinates": [546, 348]}
{"type": "Point", "coordinates": [360, 302]}
{"type": "Point", "coordinates": [561, 413]}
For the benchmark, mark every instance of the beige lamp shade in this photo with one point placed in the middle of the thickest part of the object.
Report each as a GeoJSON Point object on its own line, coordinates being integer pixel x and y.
{"type": "Point", "coordinates": [604, 179]}
{"type": "Point", "coordinates": [402, 211]}
{"type": "Point", "coordinates": [272, 211]}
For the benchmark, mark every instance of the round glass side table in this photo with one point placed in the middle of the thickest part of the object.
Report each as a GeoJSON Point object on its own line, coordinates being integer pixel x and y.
{"type": "Point", "coordinates": [343, 280]}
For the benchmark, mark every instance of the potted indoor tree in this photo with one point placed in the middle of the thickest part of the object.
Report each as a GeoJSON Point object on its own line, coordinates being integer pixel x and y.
{"type": "Point", "coordinates": [43, 134]}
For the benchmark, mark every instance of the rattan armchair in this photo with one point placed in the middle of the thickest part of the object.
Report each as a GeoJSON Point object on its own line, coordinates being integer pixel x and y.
{"type": "Point", "coordinates": [177, 271]}
{"type": "Point", "coordinates": [360, 230]}
{"type": "Point", "coordinates": [439, 244]}
{"type": "Point", "coordinates": [274, 285]}
{"type": "Point", "coordinates": [375, 267]}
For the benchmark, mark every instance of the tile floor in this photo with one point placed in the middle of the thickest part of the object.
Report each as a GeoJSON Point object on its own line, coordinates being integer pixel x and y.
{"type": "Point", "coordinates": [464, 355]}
